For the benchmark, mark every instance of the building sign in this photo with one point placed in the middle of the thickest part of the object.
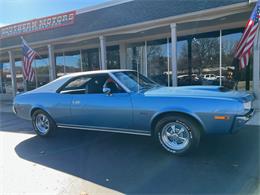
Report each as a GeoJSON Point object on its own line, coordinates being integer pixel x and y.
{"type": "Point", "coordinates": [36, 25]}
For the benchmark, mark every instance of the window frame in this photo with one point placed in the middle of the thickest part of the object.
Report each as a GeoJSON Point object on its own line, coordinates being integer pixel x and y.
{"type": "Point", "coordinates": [60, 89]}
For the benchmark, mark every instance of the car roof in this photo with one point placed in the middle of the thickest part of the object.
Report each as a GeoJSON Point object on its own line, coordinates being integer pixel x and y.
{"type": "Point", "coordinates": [71, 75]}
{"type": "Point", "coordinates": [53, 86]}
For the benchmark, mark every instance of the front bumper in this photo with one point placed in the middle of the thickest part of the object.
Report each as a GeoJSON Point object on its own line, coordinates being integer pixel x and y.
{"type": "Point", "coordinates": [14, 110]}
{"type": "Point", "coordinates": [241, 120]}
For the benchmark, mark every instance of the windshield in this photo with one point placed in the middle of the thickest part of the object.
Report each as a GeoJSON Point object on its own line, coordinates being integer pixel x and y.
{"type": "Point", "coordinates": [135, 81]}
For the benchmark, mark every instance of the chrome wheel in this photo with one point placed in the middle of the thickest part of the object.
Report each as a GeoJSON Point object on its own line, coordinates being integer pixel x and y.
{"type": "Point", "coordinates": [42, 123]}
{"type": "Point", "coordinates": [175, 135]}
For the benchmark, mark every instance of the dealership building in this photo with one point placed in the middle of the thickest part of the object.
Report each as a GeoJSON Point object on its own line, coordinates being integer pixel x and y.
{"type": "Point", "coordinates": [174, 42]}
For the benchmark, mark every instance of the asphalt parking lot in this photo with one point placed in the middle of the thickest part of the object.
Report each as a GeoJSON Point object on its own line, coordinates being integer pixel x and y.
{"type": "Point", "coordinates": [84, 162]}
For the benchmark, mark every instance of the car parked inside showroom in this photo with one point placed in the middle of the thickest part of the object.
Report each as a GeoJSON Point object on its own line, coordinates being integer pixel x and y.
{"type": "Point", "coordinates": [124, 101]}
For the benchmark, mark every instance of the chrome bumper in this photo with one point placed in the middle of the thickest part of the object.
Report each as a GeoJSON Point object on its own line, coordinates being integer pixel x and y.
{"type": "Point", "coordinates": [241, 120]}
{"type": "Point", "coordinates": [14, 110]}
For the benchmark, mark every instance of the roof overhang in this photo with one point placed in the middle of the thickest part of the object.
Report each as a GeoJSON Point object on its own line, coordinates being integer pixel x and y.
{"type": "Point", "coordinates": [204, 15]}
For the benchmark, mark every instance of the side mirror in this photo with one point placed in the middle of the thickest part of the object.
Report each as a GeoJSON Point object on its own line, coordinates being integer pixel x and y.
{"type": "Point", "coordinates": [107, 90]}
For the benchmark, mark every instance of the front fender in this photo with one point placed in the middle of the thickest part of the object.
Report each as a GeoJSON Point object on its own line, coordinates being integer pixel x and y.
{"type": "Point", "coordinates": [176, 110]}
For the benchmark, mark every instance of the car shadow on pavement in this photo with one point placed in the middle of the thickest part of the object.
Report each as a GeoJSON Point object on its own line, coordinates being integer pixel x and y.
{"type": "Point", "coordinates": [135, 164]}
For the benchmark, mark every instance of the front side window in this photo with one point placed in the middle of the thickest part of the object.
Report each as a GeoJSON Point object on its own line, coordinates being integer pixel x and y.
{"type": "Point", "coordinates": [91, 84]}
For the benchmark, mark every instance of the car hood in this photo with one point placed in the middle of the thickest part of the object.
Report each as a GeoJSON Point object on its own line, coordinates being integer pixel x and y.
{"type": "Point", "coordinates": [199, 92]}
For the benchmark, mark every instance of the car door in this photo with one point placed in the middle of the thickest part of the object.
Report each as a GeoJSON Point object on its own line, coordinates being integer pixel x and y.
{"type": "Point", "coordinates": [97, 109]}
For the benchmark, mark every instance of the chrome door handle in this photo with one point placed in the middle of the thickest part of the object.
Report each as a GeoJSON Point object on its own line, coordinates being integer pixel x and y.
{"type": "Point", "coordinates": [75, 102]}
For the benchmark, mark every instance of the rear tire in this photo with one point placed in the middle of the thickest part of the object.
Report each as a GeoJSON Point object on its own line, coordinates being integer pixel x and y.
{"type": "Point", "coordinates": [42, 123]}
{"type": "Point", "coordinates": [177, 134]}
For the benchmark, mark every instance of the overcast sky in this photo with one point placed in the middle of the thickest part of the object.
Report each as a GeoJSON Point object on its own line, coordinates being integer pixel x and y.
{"type": "Point", "coordinates": [14, 11]}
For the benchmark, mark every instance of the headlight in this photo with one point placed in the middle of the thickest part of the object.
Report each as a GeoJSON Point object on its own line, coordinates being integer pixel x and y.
{"type": "Point", "coordinates": [247, 105]}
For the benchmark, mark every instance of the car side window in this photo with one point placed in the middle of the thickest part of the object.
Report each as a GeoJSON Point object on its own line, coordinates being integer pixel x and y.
{"type": "Point", "coordinates": [91, 84]}
{"type": "Point", "coordinates": [113, 86]}
{"type": "Point", "coordinates": [97, 83]}
{"type": "Point", "coordinates": [76, 86]}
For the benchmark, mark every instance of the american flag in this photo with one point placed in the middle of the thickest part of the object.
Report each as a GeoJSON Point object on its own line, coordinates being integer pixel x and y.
{"type": "Point", "coordinates": [246, 42]}
{"type": "Point", "coordinates": [28, 56]}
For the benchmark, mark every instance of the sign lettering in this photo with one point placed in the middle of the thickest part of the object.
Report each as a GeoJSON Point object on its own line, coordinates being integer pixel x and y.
{"type": "Point", "coordinates": [36, 25]}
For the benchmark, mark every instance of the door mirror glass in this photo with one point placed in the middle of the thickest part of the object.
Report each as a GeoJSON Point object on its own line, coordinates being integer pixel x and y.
{"type": "Point", "coordinates": [106, 90]}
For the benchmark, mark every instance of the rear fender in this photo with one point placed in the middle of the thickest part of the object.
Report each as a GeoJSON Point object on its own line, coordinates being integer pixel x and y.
{"type": "Point", "coordinates": [38, 107]}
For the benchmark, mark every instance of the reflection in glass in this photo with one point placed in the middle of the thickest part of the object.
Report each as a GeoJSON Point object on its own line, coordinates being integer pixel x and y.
{"type": "Point", "coordinates": [90, 59]}
{"type": "Point", "coordinates": [113, 57]}
{"type": "Point", "coordinates": [72, 62]}
{"type": "Point", "coordinates": [20, 83]}
{"type": "Point", "coordinates": [157, 61]}
{"type": "Point", "coordinates": [5, 78]}
{"type": "Point", "coordinates": [230, 40]}
{"type": "Point", "coordinates": [67, 62]}
{"type": "Point", "coordinates": [41, 67]}
{"type": "Point", "coordinates": [60, 64]}
{"type": "Point", "coordinates": [205, 59]}
{"type": "Point", "coordinates": [19, 77]}
{"type": "Point", "coordinates": [183, 74]}
{"type": "Point", "coordinates": [135, 57]}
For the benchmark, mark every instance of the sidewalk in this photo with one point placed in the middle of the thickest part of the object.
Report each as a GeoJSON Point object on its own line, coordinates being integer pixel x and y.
{"type": "Point", "coordinates": [6, 106]}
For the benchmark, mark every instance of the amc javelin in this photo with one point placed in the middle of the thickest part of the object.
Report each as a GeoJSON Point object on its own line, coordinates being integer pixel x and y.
{"type": "Point", "coordinates": [125, 101]}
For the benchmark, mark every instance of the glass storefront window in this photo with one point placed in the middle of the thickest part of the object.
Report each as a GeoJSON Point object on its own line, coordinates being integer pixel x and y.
{"type": "Point", "coordinates": [60, 64]}
{"type": "Point", "coordinates": [72, 62]}
{"type": "Point", "coordinates": [113, 57]}
{"type": "Point", "coordinates": [205, 59]}
{"type": "Point", "coordinates": [182, 63]}
{"type": "Point", "coordinates": [19, 77]}
{"type": "Point", "coordinates": [67, 62]}
{"type": "Point", "coordinates": [157, 61]}
{"type": "Point", "coordinates": [5, 78]}
{"type": "Point", "coordinates": [136, 57]}
{"type": "Point", "coordinates": [20, 83]}
{"type": "Point", "coordinates": [41, 67]}
{"type": "Point", "coordinates": [90, 59]}
{"type": "Point", "coordinates": [230, 74]}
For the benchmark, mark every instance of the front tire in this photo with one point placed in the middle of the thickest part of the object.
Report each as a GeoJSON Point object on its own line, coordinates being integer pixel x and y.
{"type": "Point", "coordinates": [42, 123]}
{"type": "Point", "coordinates": [177, 134]}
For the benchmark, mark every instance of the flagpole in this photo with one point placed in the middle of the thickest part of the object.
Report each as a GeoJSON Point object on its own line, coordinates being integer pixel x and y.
{"type": "Point", "coordinates": [24, 79]}
{"type": "Point", "coordinates": [256, 63]}
{"type": "Point", "coordinates": [35, 70]}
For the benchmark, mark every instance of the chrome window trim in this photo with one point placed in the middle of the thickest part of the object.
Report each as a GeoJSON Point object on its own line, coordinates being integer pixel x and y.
{"type": "Point", "coordinates": [105, 129]}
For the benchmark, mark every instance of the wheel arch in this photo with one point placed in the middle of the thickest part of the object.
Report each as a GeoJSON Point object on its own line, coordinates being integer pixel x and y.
{"type": "Point", "coordinates": [161, 115]}
{"type": "Point", "coordinates": [38, 107]}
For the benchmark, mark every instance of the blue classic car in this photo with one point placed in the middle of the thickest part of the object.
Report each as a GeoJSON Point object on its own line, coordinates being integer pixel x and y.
{"type": "Point", "coordinates": [124, 101]}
